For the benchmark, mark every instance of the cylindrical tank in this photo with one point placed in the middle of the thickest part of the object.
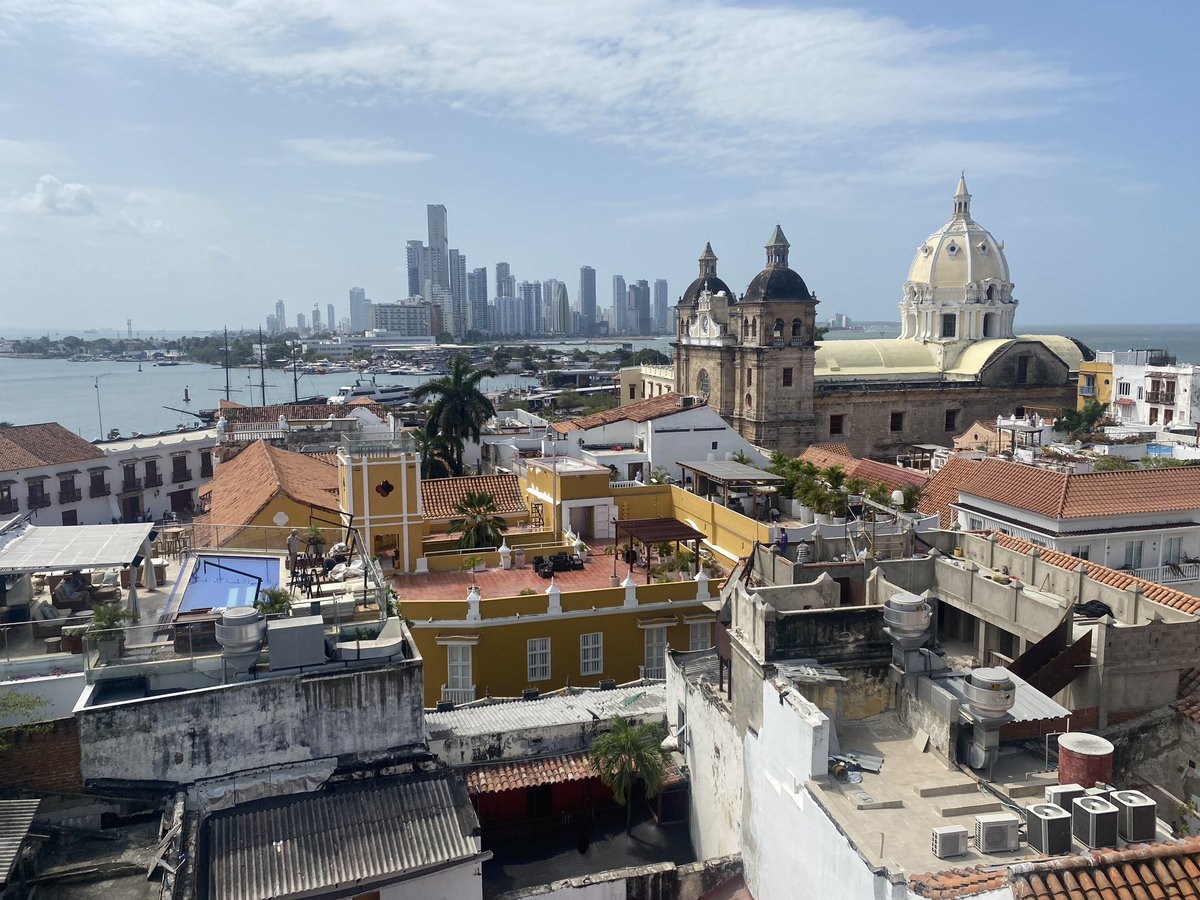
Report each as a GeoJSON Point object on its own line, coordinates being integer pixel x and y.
{"type": "Point", "coordinates": [907, 618]}
{"type": "Point", "coordinates": [990, 693]}
{"type": "Point", "coordinates": [1084, 759]}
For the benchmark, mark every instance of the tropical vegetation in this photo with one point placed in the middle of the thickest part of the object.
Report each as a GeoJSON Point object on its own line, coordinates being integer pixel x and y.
{"type": "Point", "coordinates": [626, 755]}
{"type": "Point", "coordinates": [476, 522]}
{"type": "Point", "coordinates": [458, 408]}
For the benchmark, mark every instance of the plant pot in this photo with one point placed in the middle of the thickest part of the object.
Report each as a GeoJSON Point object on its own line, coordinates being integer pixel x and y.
{"type": "Point", "coordinates": [821, 518]}
{"type": "Point", "coordinates": [804, 514]}
{"type": "Point", "coordinates": [109, 649]}
{"type": "Point", "coordinates": [958, 551]}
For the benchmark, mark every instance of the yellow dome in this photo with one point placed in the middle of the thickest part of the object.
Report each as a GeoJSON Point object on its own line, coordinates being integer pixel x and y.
{"type": "Point", "coordinates": [961, 254]}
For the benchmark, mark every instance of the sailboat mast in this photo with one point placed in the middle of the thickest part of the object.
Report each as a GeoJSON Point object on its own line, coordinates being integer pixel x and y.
{"type": "Point", "coordinates": [226, 349]}
{"type": "Point", "coordinates": [262, 372]}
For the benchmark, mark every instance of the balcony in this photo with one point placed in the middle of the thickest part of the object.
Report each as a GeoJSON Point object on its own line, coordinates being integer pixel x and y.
{"type": "Point", "coordinates": [1087, 390]}
{"type": "Point", "coordinates": [10, 505]}
{"type": "Point", "coordinates": [206, 470]}
{"type": "Point", "coordinates": [99, 490]}
{"type": "Point", "coordinates": [1163, 397]}
{"type": "Point", "coordinates": [180, 475]}
{"type": "Point", "coordinates": [38, 501]}
{"type": "Point", "coordinates": [70, 495]}
{"type": "Point", "coordinates": [1170, 573]}
{"type": "Point", "coordinates": [154, 480]}
{"type": "Point", "coordinates": [653, 673]}
{"type": "Point", "coordinates": [458, 695]}
{"type": "Point", "coordinates": [131, 484]}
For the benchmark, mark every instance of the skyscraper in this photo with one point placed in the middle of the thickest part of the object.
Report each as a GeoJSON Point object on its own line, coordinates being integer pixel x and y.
{"type": "Point", "coordinates": [558, 307]}
{"type": "Point", "coordinates": [587, 300]}
{"type": "Point", "coordinates": [660, 306]}
{"type": "Point", "coordinates": [280, 315]}
{"type": "Point", "coordinates": [300, 327]}
{"type": "Point", "coordinates": [477, 301]}
{"type": "Point", "coordinates": [506, 284]}
{"type": "Point", "coordinates": [637, 313]}
{"type": "Point", "coordinates": [457, 319]}
{"type": "Point", "coordinates": [316, 318]}
{"type": "Point", "coordinates": [330, 320]}
{"type": "Point", "coordinates": [360, 309]}
{"type": "Point", "coordinates": [439, 246]}
{"type": "Point", "coordinates": [529, 317]}
{"type": "Point", "coordinates": [620, 301]}
{"type": "Point", "coordinates": [417, 255]}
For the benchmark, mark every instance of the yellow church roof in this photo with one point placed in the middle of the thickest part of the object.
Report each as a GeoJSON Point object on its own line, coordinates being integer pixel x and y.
{"type": "Point", "coordinates": [871, 358]}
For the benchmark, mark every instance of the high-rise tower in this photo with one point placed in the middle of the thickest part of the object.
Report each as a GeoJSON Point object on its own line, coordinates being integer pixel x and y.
{"type": "Point", "coordinates": [418, 268]}
{"type": "Point", "coordinates": [620, 303]}
{"type": "Point", "coordinates": [360, 310]}
{"type": "Point", "coordinates": [439, 246]}
{"type": "Point", "coordinates": [661, 305]}
{"type": "Point", "coordinates": [587, 300]}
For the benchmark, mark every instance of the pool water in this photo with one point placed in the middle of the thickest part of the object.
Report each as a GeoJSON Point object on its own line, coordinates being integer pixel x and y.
{"type": "Point", "coordinates": [219, 581]}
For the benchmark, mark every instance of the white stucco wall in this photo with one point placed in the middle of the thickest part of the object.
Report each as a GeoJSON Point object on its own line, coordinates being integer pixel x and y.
{"type": "Point", "coordinates": [58, 695]}
{"type": "Point", "coordinates": [463, 882]}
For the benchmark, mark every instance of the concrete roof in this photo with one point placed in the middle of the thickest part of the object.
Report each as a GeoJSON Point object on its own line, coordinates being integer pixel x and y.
{"type": "Point", "coordinates": [855, 358]}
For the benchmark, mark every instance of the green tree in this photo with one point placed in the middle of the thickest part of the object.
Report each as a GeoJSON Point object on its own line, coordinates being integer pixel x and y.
{"type": "Point", "coordinates": [22, 707]}
{"type": "Point", "coordinates": [476, 522]}
{"type": "Point", "coordinates": [458, 408]}
{"type": "Point", "coordinates": [437, 454]}
{"type": "Point", "coordinates": [626, 755]}
{"type": "Point", "coordinates": [444, 337]}
{"type": "Point", "coordinates": [1078, 422]}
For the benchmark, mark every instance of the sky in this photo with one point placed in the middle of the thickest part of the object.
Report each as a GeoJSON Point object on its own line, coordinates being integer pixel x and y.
{"type": "Point", "coordinates": [185, 164]}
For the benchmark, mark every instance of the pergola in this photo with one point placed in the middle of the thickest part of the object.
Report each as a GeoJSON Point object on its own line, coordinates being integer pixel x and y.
{"type": "Point", "coordinates": [727, 474]}
{"type": "Point", "coordinates": [51, 548]}
{"type": "Point", "coordinates": [662, 530]}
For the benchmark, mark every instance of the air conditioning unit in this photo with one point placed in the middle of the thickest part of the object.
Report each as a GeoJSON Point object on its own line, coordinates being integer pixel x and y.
{"type": "Point", "coordinates": [949, 840]}
{"type": "Point", "coordinates": [1049, 827]}
{"type": "Point", "coordinates": [1094, 822]}
{"type": "Point", "coordinates": [997, 832]}
{"type": "Point", "coordinates": [1137, 816]}
{"type": "Point", "coordinates": [1063, 794]}
{"type": "Point", "coordinates": [1101, 790]}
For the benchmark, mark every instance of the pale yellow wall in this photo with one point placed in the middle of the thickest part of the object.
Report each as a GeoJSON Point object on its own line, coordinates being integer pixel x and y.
{"type": "Point", "coordinates": [1103, 372]}
{"type": "Point", "coordinates": [387, 521]}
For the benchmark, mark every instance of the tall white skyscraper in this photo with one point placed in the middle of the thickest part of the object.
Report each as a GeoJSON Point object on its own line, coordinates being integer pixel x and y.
{"type": "Point", "coordinates": [280, 315]}
{"type": "Point", "coordinates": [558, 307]}
{"type": "Point", "coordinates": [477, 301]}
{"type": "Point", "coordinates": [330, 320]}
{"type": "Point", "coordinates": [316, 318]}
{"type": "Point", "coordinates": [457, 320]}
{"type": "Point", "coordinates": [620, 302]}
{"type": "Point", "coordinates": [661, 306]}
{"type": "Point", "coordinates": [587, 300]}
{"type": "Point", "coordinates": [506, 284]}
{"type": "Point", "coordinates": [360, 310]}
{"type": "Point", "coordinates": [530, 315]}
{"type": "Point", "coordinates": [439, 246]}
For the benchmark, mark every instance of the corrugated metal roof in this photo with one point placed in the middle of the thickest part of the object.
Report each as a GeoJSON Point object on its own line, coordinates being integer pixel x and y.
{"type": "Point", "coordinates": [517, 715]}
{"type": "Point", "coordinates": [1029, 704]}
{"type": "Point", "coordinates": [341, 839]}
{"type": "Point", "coordinates": [31, 548]}
{"type": "Point", "coordinates": [15, 818]}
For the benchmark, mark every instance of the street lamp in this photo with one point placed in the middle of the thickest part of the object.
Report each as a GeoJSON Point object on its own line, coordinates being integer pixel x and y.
{"type": "Point", "coordinates": [99, 415]}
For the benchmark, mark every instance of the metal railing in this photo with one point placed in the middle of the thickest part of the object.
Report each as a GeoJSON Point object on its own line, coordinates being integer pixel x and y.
{"type": "Point", "coordinates": [1087, 390]}
{"type": "Point", "coordinates": [70, 495]}
{"type": "Point", "coordinates": [131, 484]}
{"type": "Point", "coordinates": [11, 505]}
{"type": "Point", "coordinates": [1169, 573]}
{"type": "Point", "coordinates": [1163, 397]}
{"type": "Point", "coordinates": [458, 695]}
{"type": "Point", "coordinates": [654, 673]}
{"type": "Point", "coordinates": [180, 475]}
{"type": "Point", "coordinates": [154, 480]}
{"type": "Point", "coordinates": [99, 490]}
{"type": "Point", "coordinates": [38, 501]}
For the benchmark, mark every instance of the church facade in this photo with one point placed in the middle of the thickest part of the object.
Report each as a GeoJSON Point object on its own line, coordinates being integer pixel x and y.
{"type": "Point", "coordinates": [753, 357]}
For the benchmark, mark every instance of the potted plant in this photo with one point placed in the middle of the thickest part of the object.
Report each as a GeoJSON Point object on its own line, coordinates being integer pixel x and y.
{"type": "Point", "coordinates": [474, 563]}
{"type": "Point", "coordinates": [108, 629]}
{"type": "Point", "coordinates": [315, 540]}
{"type": "Point", "coordinates": [274, 601]}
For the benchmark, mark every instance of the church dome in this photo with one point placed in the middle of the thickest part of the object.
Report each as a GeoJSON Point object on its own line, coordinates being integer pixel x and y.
{"type": "Point", "coordinates": [707, 281]}
{"type": "Point", "coordinates": [777, 281]}
{"type": "Point", "coordinates": [961, 253]}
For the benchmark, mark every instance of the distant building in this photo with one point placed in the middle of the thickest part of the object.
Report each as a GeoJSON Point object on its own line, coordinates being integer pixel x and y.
{"type": "Point", "coordinates": [360, 309]}
{"type": "Point", "coordinates": [417, 255]}
{"type": "Point", "coordinates": [530, 309]}
{"type": "Point", "coordinates": [280, 314]}
{"type": "Point", "coordinates": [273, 326]}
{"type": "Point", "coordinates": [587, 300]}
{"type": "Point", "coordinates": [330, 318]}
{"type": "Point", "coordinates": [405, 317]}
{"type": "Point", "coordinates": [439, 246]}
{"type": "Point", "coordinates": [620, 301]}
{"type": "Point", "coordinates": [637, 312]}
{"type": "Point", "coordinates": [301, 326]}
{"type": "Point", "coordinates": [316, 318]}
{"type": "Point", "coordinates": [457, 318]}
{"type": "Point", "coordinates": [506, 284]}
{"type": "Point", "coordinates": [1148, 387]}
{"type": "Point", "coordinates": [558, 308]}
{"type": "Point", "coordinates": [661, 307]}
{"type": "Point", "coordinates": [477, 301]}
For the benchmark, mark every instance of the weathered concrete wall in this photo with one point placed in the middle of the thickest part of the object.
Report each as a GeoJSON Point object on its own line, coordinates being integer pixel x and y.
{"type": "Point", "coordinates": [660, 881]}
{"type": "Point", "coordinates": [216, 731]}
{"type": "Point", "coordinates": [916, 712]}
{"type": "Point", "coordinates": [852, 633]}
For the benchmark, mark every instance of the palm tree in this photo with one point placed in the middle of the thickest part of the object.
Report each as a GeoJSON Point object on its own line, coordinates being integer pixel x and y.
{"type": "Point", "coordinates": [437, 454]}
{"type": "Point", "coordinates": [459, 407]}
{"type": "Point", "coordinates": [626, 755]}
{"type": "Point", "coordinates": [477, 522]}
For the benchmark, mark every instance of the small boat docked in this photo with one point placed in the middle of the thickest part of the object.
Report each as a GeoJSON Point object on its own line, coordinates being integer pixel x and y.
{"type": "Point", "coordinates": [369, 390]}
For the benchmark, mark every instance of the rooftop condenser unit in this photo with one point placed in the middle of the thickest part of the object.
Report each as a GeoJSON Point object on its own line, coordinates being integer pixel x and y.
{"type": "Point", "coordinates": [1063, 794]}
{"type": "Point", "coordinates": [1094, 822]}
{"type": "Point", "coordinates": [997, 832]}
{"type": "Point", "coordinates": [1049, 828]}
{"type": "Point", "coordinates": [949, 840]}
{"type": "Point", "coordinates": [1137, 816]}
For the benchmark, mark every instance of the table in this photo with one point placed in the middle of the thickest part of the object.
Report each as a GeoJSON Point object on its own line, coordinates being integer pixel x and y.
{"type": "Point", "coordinates": [175, 540]}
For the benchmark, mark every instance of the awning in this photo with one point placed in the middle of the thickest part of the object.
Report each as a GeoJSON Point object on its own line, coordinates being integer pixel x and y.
{"type": "Point", "coordinates": [657, 531]}
{"type": "Point", "coordinates": [36, 548]}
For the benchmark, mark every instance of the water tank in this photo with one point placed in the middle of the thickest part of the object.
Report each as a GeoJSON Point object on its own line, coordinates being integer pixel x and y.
{"type": "Point", "coordinates": [240, 633]}
{"type": "Point", "coordinates": [990, 694]}
{"type": "Point", "coordinates": [1084, 759]}
{"type": "Point", "coordinates": [907, 619]}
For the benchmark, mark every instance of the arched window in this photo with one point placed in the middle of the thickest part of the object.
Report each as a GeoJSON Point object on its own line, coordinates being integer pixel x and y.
{"type": "Point", "coordinates": [777, 330]}
{"type": "Point", "coordinates": [989, 323]}
{"type": "Point", "coordinates": [749, 376]}
{"type": "Point", "coordinates": [702, 383]}
{"type": "Point", "coordinates": [745, 328]}
{"type": "Point", "coordinates": [991, 292]}
{"type": "Point", "coordinates": [797, 328]}
{"type": "Point", "coordinates": [754, 327]}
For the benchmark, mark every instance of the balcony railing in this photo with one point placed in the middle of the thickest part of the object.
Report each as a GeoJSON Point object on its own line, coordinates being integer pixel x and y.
{"type": "Point", "coordinates": [1169, 574]}
{"type": "Point", "coordinates": [179, 475]}
{"type": "Point", "coordinates": [206, 470]}
{"type": "Point", "coordinates": [99, 490]}
{"type": "Point", "coordinates": [654, 673]}
{"type": "Point", "coordinates": [131, 484]}
{"type": "Point", "coordinates": [1087, 390]}
{"type": "Point", "coordinates": [154, 480]}
{"type": "Point", "coordinates": [38, 501]}
{"type": "Point", "coordinates": [11, 505]}
{"type": "Point", "coordinates": [458, 695]}
{"type": "Point", "coordinates": [1163, 397]}
{"type": "Point", "coordinates": [70, 495]}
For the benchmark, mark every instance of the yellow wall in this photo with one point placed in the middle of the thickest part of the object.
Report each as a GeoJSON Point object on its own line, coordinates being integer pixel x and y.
{"type": "Point", "coordinates": [499, 659]}
{"type": "Point", "coordinates": [732, 533]}
{"type": "Point", "coordinates": [391, 520]}
{"type": "Point", "coordinates": [1103, 373]}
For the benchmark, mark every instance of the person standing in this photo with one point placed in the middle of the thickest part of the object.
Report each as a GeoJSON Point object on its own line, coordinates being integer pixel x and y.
{"type": "Point", "coordinates": [293, 547]}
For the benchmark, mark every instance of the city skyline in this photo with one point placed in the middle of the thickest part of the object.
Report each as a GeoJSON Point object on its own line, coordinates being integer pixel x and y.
{"type": "Point", "coordinates": [183, 166]}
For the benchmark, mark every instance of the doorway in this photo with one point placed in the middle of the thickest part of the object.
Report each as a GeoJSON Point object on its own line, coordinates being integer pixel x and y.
{"type": "Point", "coordinates": [131, 508]}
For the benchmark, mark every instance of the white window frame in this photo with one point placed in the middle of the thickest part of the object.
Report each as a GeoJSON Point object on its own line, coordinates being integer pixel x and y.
{"type": "Point", "coordinates": [1133, 554]}
{"type": "Point", "coordinates": [699, 635]}
{"type": "Point", "coordinates": [537, 667]}
{"type": "Point", "coordinates": [591, 653]}
{"type": "Point", "coordinates": [455, 667]}
{"type": "Point", "coordinates": [655, 646]}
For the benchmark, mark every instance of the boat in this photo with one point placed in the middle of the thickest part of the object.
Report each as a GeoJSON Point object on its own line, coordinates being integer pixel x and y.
{"type": "Point", "coordinates": [165, 363]}
{"type": "Point", "coordinates": [369, 390]}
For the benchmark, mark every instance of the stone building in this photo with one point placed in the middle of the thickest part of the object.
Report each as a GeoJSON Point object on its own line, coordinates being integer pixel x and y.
{"type": "Point", "coordinates": [957, 358]}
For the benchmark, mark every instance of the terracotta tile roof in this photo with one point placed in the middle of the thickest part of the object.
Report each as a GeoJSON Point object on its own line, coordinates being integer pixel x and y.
{"type": "Point", "coordinates": [642, 411]}
{"type": "Point", "coordinates": [1058, 495]}
{"type": "Point", "coordinates": [1151, 590]}
{"type": "Point", "coordinates": [236, 414]}
{"type": "Point", "coordinates": [48, 444]}
{"type": "Point", "coordinates": [523, 773]}
{"type": "Point", "coordinates": [1168, 869]}
{"type": "Point", "coordinates": [1188, 703]}
{"type": "Point", "coordinates": [243, 485]}
{"type": "Point", "coordinates": [942, 489]}
{"type": "Point", "coordinates": [872, 471]}
{"type": "Point", "coordinates": [1189, 682]}
{"type": "Point", "coordinates": [439, 496]}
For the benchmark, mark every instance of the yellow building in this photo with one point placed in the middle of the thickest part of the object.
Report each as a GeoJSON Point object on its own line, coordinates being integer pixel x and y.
{"type": "Point", "coordinates": [1095, 383]}
{"type": "Point", "coordinates": [643, 382]}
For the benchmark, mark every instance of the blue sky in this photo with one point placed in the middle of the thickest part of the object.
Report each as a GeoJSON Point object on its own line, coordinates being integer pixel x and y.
{"type": "Point", "coordinates": [187, 163]}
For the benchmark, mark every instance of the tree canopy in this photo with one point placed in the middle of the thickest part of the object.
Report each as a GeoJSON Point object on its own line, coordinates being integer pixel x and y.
{"type": "Point", "coordinates": [458, 408]}
{"type": "Point", "coordinates": [626, 755]}
{"type": "Point", "coordinates": [476, 522]}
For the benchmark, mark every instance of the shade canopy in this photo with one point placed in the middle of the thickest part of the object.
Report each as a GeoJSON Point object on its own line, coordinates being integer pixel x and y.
{"type": "Point", "coordinates": [36, 548]}
{"type": "Point", "coordinates": [657, 531]}
{"type": "Point", "coordinates": [729, 472]}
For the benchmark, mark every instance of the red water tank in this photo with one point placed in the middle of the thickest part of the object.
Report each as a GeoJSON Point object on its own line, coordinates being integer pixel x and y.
{"type": "Point", "coordinates": [1084, 759]}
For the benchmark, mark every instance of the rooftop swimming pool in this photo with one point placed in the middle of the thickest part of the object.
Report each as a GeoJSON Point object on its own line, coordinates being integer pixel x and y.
{"type": "Point", "coordinates": [224, 580]}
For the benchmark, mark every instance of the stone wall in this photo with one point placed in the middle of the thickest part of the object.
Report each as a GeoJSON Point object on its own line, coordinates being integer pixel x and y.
{"type": "Point", "coordinates": [188, 736]}
{"type": "Point", "coordinates": [844, 634]}
{"type": "Point", "coordinates": [44, 759]}
{"type": "Point", "coordinates": [660, 881]}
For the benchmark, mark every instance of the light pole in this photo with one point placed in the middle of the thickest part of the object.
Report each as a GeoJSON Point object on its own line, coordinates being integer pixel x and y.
{"type": "Point", "coordinates": [99, 415]}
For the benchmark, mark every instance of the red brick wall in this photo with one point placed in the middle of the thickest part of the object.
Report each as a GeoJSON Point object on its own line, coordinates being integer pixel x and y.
{"type": "Point", "coordinates": [1081, 720]}
{"type": "Point", "coordinates": [44, 761]}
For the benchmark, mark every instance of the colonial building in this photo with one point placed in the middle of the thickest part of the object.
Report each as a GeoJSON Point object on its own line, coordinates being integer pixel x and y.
{"type": "Point", "coordinates": [957, 358]}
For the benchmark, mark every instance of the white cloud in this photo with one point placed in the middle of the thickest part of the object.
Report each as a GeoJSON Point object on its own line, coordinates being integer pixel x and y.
{"type": "Point", "coordinates": [352, 152]}
{"type": "Point", "coordinates": [27, 153]}
{"type": "Point", "coordinates": [714, 81]}
{"type": "Point", "coordinates": [55, 198]}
